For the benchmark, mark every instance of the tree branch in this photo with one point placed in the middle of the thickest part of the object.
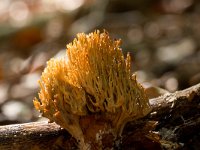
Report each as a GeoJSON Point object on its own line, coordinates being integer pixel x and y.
{"type": "Point", "coordinates": [175, 116]}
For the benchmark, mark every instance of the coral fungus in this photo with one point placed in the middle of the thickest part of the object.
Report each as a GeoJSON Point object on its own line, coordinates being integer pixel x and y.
{"type": "Point", "coordinates": [92, 92]}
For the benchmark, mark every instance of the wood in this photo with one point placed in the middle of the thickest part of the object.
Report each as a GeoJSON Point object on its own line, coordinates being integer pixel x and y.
{"type": "Point", "coordinates": [35, 136]}
{"type": "Point", "coordinates": [176, 119]}
{"type": "Point", "coordinates": [174, 123]}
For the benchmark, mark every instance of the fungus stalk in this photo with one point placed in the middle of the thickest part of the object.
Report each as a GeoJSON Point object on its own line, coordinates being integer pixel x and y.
{"type": "Point", "coordinates": [92, 94]}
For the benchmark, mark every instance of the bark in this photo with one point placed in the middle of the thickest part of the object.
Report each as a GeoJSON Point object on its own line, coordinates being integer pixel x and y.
{"type": "Point", "coordinates": [174, 123]}
{"type": "Point", "coordinates": [35, 136]}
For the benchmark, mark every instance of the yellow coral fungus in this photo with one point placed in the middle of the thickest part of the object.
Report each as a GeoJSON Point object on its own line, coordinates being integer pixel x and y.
{"type": "Point", "coordinates": [93, 91]}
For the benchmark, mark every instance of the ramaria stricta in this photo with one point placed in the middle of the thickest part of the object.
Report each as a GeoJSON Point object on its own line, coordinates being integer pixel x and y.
{"type": "Point", "coordinates": [92, 92]}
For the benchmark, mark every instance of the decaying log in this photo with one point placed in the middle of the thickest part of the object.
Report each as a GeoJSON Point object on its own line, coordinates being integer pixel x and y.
{"type": "Point", "coordinates": [175, 118]}
{"type": "Point", "coordinates": [35, 136]}
{"type": "Point", "coordinates": [174, 123]}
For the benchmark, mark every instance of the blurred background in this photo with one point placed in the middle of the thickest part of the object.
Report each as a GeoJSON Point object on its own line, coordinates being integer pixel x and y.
{"type": "Point", "coordinates": [161, 35]}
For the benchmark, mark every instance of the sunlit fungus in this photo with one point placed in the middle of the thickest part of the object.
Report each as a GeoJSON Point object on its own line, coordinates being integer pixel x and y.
{"type": "Point", "coordinates": [93, 91]}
